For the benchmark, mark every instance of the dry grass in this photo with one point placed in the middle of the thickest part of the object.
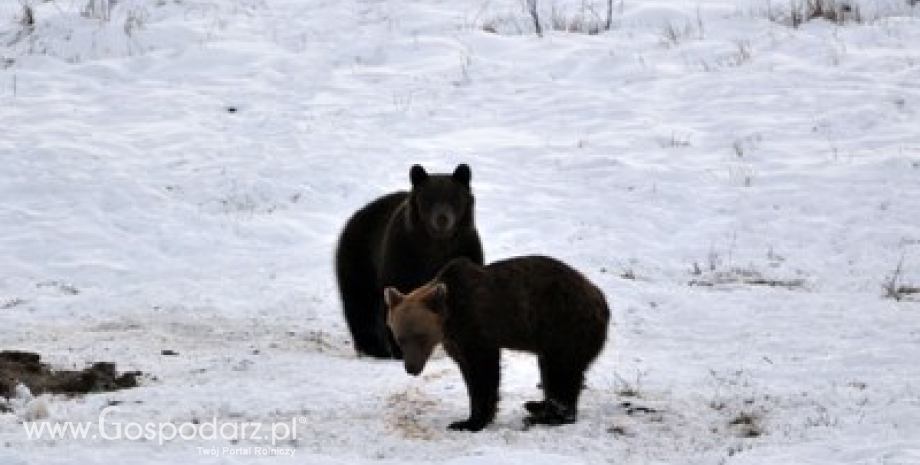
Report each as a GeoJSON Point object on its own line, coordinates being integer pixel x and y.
{"type": "Point", "coordinates": [591, 25]}
{"type": "Point", "coordinates": [894, 286]}
{"type": "Point", "coordinates": [98, 9]}
{"type": "Point", "coordinates": [625, 388]}
{"type": "Point", "coordinates": [838, 12]}
{"type": "Point", "coordinates": [591, 18]}
{"type": "Point", "coordinates": [28, 15]}
{"type": "Point", "coordinates": [672, 34]}
{"type": "Point", "coordinates": [794, 13]}
{"type": "Point", "coordinates": [742, 276]}
{"type": "Point", "coordinates": [741, 56]}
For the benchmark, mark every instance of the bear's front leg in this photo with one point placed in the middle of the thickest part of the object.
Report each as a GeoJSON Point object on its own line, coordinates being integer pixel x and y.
{"type": "Point", "coordinates": [467, 425]}
{"type": "Point", "coordinates": [480, 368]}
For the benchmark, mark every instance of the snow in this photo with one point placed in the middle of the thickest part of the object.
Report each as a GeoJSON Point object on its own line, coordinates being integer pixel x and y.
{"type": "Point", "coordinates": [175, 173]}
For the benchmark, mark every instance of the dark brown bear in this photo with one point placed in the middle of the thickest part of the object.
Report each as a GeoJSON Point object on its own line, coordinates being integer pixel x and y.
{"type": "Point", "coordinates": [535, 304]}
{"type": "Point", "coordinates": [402, 240]}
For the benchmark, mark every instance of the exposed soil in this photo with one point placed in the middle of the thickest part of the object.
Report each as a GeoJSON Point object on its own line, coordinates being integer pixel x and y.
{"type": "Point", "coordinates": [26, 368]}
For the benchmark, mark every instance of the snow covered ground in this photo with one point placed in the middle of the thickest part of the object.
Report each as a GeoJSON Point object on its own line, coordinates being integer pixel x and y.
{"type": "Point", "coordinates": [175, 172]}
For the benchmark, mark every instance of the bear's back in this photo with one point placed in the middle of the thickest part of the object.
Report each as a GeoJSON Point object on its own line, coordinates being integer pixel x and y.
{"type": "Point", "coordinates": [363, 233]}
{"type": "Point", "coordinates": [526, 303]}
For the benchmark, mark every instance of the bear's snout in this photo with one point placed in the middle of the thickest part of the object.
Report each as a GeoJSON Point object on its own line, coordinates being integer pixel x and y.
{"type": "Point", "coordinates": [414, 360]}
{"type": "Point", "coordinates": [414, 369]}
{"type": "Point", "coordinates": [442, 222]}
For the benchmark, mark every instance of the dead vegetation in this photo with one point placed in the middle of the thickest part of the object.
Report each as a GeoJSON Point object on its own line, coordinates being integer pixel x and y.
{"type": "Point", "coordinates": [26, 368]}
{"type": "Point", "coordinates": [718, 271]}
{"type": "Point", "coordinates": [741, 276]}
{"type": "Point", "coordinates": [590, 17]}
{"type": "Point", "coordinates": [746, 425]}
{"type": "Point", "coordinates": [799, 12]}
{"type": "Point", "coordinates": [795, 13]}
{"type": "Point", "coordinates": [626, 388]}
{"type": "Point", "coordinates": [894, 286]}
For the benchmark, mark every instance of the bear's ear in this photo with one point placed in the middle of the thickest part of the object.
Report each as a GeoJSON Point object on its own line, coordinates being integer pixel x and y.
{"type": "Point", "coordinates": [437, 298]}
{"type": "Point", "coordinates": [463, 174]}
{"type": "Point", "coordinates": [418, 175]}
{"type": "Point", "coordinates": [392, 297]}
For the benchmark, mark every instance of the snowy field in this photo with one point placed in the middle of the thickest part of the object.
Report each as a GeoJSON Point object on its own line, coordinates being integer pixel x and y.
{"type": "Point", "coordinates": [174, 173]}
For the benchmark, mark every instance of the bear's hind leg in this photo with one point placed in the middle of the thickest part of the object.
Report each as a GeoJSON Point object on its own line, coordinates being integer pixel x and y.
{"type": "Point", "coordinates": [366, 330]}
{"type": "Point", "coordinates": [562, 382]}
{"type": "Point", "coordinates": [362, 303]}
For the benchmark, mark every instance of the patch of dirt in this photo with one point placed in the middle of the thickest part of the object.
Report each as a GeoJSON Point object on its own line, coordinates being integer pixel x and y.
{"type": "Point", "coordinates": [406, 409]}
{"type": "Point", "coordinates": [26, 368]}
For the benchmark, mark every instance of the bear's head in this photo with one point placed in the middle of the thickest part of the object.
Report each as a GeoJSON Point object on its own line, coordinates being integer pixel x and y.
{"type": "Point", "coordinates": [441, 203]}
{"type": "Point", "coordinates": [417, 321]}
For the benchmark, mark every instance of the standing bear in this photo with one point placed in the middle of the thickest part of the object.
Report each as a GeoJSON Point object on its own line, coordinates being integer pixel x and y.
{"type": "Point", "coordinates": [535, 304]}
{"type": "Point", "coordinates": [401, 240]}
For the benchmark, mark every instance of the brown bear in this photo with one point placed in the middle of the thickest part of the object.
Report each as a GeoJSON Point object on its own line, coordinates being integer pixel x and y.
{"type": "Point", "coordinates": [535, 304]}
{"type": "Point", "coordinates": [402, 240]}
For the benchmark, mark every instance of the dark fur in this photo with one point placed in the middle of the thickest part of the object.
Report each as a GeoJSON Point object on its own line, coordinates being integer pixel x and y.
{"type": "Point", "coordinates": [535, 304]}
{"type": "Point", "coordinates": [402, 240]}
